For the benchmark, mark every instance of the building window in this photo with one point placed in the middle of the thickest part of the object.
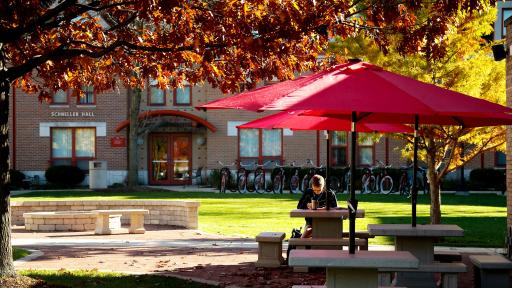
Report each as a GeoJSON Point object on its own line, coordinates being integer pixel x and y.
{"type": "Point", "coordinates": [156, 96]}
{"type": "Point", "coordinates": [261, 145]}
{"type": "Point", "coordinates": [365, 149]}
{"type": "Point", "coordinates": [73, 146]}
{"type": "Point", "coordinates": [500, 159]}
{"type": "Point", "coordinates": [339, 148]}
{"type": "Point", "coordinates": [183, 96]}
{"type": "Point", "coordinates": [60, 97]}
{"type": "Point", "coordinates": [86, 96]}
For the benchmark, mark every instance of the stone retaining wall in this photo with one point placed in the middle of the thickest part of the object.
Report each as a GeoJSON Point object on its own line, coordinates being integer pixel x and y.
{"type": "Point", "coordinates": [60, 221]}
{"type": "Point", "coordinates": [161, 212]}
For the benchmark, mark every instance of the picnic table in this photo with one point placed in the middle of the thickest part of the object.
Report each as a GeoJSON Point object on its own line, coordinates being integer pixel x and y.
{"type": "Point", "coordinates": [326, 223]}
{"type": "Point", "coordinates": [419, 241]}
{"type": "Point", "coordinates": [352, 270]}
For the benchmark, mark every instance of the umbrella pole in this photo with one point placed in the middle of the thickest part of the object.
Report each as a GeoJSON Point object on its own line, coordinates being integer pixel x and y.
{"type": "Point", "coordinates": [352, 202]}
{"type": "Point", "coordinates": [327, 189]}
{"type": "Point", "coordinates": [414, 197]}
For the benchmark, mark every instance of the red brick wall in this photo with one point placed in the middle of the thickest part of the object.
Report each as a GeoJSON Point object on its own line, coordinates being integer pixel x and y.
{"type": "Point", "coordinates": [509, 129]}
{"type": "Point", "coordinates": [33, 152]}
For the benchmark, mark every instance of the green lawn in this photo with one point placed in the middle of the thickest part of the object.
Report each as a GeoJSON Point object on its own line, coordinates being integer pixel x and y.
{"type": "Point", "coordinates": [90, 279]}
{"type": "Point", "coordinates": [483, 217]}
{"type": "Point", "coordinates": [18, 253]}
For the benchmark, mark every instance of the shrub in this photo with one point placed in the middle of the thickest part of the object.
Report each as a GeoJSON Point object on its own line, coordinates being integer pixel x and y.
{"type": "Point", "coordinates": [64, 176]}
{"type": "Point", "coordinates": [17, 178]}
{"type": "Point", "coordinates": [487, 178]}
{"type": "Point", "coordinates": [214, 178]}
{"type": "Point", "coordinates": [450, 185]}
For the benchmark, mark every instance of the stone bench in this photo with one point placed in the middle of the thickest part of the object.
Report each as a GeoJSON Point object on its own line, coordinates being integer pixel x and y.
{"type": "Point", "coordinates": [491, 270]}
{"type": "Point", "coordinates": [323, 286]}
{"type": "Point", "coordinates": [365, 235]}
{"type": "Point", "coordinates": [270, 249]}
{"type": "Point", "coordinates": [323, 243]}
{"type": "Point", "coordinates": [447, 256]}
{"type": "Point", "coordinates": [352, 270]}
{"type": "Point", "coordinates": [449, 273]}
{"type": "Point", "coordinates": [108, 221]}
{"type": "Point", "coordinates": [301, 243]}
{"type": "Point", "coordinates": [59, 221]}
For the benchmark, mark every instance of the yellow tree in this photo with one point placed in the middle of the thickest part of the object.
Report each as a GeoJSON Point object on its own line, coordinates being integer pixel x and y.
{"type": "Point", "coordinates": [466, 66]}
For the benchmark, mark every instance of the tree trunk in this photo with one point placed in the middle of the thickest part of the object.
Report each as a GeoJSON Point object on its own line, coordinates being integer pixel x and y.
{"type": "Point", "coordinates": [435, 191]}
{"type": "Point", "coordinates": [133, 163]}
{"type": "Point", "coordinates": [6, 263]}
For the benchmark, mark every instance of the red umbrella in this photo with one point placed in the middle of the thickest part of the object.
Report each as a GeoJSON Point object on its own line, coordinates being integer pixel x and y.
{"type": "Point", "coordinates": [363, 92]}
{"type": "Point", "coordinates": [376, 95]}
{"type": "Point", "coordinates": [295, 121]}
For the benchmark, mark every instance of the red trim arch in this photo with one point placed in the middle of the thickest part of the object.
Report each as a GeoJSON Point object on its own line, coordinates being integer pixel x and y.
{"type": "Point", "coordinates": [156, 113]}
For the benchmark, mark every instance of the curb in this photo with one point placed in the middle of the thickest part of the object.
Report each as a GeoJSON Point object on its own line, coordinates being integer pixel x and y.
{"type": "Point", "coordinates": [33, 255]}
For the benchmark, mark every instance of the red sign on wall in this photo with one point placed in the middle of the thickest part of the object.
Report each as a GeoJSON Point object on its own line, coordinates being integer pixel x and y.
{"type": "Point", "coordinates": [118, 141]}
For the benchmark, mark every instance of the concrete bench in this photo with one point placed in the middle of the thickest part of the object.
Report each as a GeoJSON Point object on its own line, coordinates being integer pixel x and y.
{"type": "Point", "coordinates": [491, 270]}
{"type": "Point", "coordinates": [301, 243]}
{"type": "Point", "coordinates": [109, 221]}
{"type": "Point", "coordinates": [323, 286]}
{"type": "Point", "coordinates": [270, 249]}
{"type": "Point", "coordinates": [323, 243]}
{"type": "Point", "coordinates": [365, 235]}
{"type": "Point", "coordinates": [352, 270]}
{"type": "Point", "coordinates": [447, 256]}
{"type": "Point", "coordinates": [449, 273]}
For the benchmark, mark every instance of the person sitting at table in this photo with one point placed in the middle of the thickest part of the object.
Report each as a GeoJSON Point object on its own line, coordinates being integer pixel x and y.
{"type": "Point", "coordinates": [316, 192]}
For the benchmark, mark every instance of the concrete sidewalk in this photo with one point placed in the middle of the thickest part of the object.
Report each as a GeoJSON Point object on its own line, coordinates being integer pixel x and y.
{"type": "Point", "coordinates": [169, 237]}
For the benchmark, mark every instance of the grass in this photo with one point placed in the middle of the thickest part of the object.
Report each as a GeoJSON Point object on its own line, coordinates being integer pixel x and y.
{"type": "Point", "coordinates": [483, 217]}
{"type": "Point", "coordinates": [18, 253]}
{"type": "Point", "coordinates": [91, 278]}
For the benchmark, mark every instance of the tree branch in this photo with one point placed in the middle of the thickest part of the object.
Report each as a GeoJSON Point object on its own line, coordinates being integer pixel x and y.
{"type": "Point", "coordinates": [12, 35]}
{"type": "Point", "coordinates": [62, 52]}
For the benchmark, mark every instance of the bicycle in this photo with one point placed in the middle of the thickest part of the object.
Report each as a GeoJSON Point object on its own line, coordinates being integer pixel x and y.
{"type": "Point", "coordinates": [294, 179]}
{"type": "Point", "coordinates": [225, 177]}
{"type": "Point", "coordinates": [404, 188]}
{"type": "Point", "coordinates": [335, 184]}
{"type": "Point", "coordinates": [260, 183]}
{"type": "Point", "coordinates": [242, 176]}
{"type": "Point", "coordinates": [424, 180]}
{"type": "Point", "coordinates": [306, 180]}
{"type": "Point", "coordinates": [383, 180]}
{"type": "Point", "coordinates": [346, 180]}
{"type": "Point", "coordinates": [279, 179]}
{"type": "Point", "coordinates": [368, 181]}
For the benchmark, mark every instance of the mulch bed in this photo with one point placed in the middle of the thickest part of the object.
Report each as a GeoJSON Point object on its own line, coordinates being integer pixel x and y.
{"type": "Point", "coordinates": [21, 281]}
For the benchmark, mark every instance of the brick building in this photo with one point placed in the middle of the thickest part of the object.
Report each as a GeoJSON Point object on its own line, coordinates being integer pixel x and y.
{"type": "Point", "coordinates": [176, 139]}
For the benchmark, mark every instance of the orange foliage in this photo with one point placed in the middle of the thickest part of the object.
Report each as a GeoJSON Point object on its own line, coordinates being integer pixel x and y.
{"type": "Point", "coordinates": [230, 44]}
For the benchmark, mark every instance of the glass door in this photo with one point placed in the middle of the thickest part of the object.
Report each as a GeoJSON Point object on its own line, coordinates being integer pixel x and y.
{"type": "Point", "coordinates": [181, 156]}
{"type": "Point", "coordinates": [170, 159]}
{"type": "Point", "coordinates": [159, 159]}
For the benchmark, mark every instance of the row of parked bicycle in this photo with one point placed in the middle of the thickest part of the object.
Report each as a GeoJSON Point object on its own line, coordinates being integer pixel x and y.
{"type": "Point", "coordinates": [253, 178]}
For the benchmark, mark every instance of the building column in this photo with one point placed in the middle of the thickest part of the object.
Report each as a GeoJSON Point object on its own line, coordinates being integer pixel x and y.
{"type": "Point", "coordinates": [508, 24]}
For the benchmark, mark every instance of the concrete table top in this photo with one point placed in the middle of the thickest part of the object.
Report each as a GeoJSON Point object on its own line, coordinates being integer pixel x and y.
{"type": "Point", "coordinates": [361, 259]}
{"type": "Point", "coordinates": [322, 213]}
{"type": "Point", "coordinates": [406, 230]}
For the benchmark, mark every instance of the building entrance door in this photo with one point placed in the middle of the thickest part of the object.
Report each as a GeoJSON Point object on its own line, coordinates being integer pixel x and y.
{"type": "Point", "coordinates": [170, 158]}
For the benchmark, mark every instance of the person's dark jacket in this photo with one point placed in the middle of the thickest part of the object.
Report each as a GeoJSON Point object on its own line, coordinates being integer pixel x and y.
{"type": "Point", "coordinates": [309, 195]}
